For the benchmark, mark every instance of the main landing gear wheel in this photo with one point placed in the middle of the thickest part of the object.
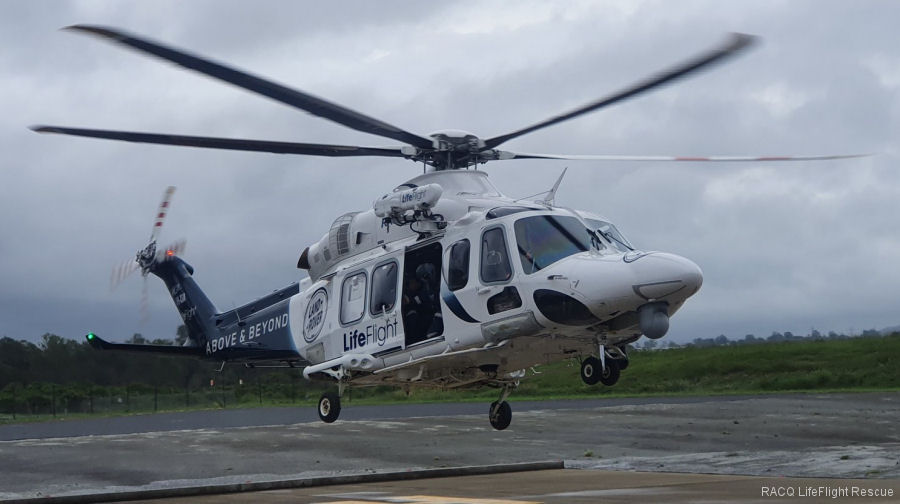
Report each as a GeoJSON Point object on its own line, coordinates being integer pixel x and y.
{"type": "Point", "coordinates": [500, 415]}
{"type": "Point", "coordinates": [329, 407]}
{"type": "Point", "coordinates": [590, 370]}
{"type": "Point", "coordinates": [610, 374]}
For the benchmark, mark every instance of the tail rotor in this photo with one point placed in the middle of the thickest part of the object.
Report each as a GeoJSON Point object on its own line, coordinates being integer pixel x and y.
{"type": "Point", "coordinates": [149, 256]}
{"type": "Point", "coordinates": [121, 272]}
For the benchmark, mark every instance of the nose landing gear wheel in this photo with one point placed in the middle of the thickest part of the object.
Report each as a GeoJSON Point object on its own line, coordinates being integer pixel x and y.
{"type": "Point", "coordinates": [329, 407]}
{"type": "Point", "coordinates": [610, 375]}
{"type": "Point", "coordinates": [590, 370]}
{"type": "Point", "coordinates": [500, 415]}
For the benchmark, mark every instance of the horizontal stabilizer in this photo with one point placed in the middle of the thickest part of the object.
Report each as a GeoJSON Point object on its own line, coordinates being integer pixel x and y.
{"type": "Point", "coordinates": [101, 344]}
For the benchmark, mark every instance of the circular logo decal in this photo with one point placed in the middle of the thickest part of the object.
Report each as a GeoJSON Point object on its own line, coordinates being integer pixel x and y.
{"type": "Point", "coordinates": [315, 315]}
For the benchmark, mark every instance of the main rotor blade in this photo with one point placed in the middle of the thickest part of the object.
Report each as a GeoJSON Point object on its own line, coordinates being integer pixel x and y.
{"type": "Point", "coordinates": [227, 143]}
{"type": "Point", "coordinates": [735, 43]}
{"type": "Point", "coordinates": [298, 99]}
{"type": "Point", "coordinates": [504, 155]}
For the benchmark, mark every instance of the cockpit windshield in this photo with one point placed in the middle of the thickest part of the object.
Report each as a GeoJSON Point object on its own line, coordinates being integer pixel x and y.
{"type": "Point", "coordinates": [608, 231]}
{"type": "Point", "coordinates": [544, 239]}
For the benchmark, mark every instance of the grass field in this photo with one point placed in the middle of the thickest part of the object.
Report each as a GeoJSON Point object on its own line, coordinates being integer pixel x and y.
{"type": "Point", "coordinates": [858, 364]}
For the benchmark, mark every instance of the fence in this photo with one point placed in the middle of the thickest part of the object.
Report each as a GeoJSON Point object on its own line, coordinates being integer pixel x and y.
{"type": "Point", "coordinates": [49, 400]}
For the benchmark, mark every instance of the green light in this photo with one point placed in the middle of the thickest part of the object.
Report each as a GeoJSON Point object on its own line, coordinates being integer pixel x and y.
{"type": "Point", "coordinates": [90, 336]}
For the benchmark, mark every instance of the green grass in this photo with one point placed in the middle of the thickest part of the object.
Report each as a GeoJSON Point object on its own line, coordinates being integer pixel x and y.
{"type": "Point", "coordinates": [852, 365]}
{"type": "Point", "coordinates": [859, 364]}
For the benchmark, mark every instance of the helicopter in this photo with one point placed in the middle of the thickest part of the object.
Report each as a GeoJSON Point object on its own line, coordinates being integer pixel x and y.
{"type": "Point", "coordinates": [444, 282]}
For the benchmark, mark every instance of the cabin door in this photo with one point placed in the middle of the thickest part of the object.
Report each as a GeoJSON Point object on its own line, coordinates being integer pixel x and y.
{"type": "Point", "coordinates": [421, 306]}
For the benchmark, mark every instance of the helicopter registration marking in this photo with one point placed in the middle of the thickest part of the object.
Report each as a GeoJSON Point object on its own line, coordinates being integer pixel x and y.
{"type": "Point", "coordinates": [246, 334]}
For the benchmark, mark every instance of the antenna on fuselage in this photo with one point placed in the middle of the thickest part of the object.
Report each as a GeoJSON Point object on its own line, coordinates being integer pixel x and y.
{"type": "Point", "coordinates": [550, 199]}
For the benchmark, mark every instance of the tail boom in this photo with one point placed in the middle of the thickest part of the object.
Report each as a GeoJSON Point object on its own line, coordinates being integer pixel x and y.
{"type": "Point", "coordinates": [180, 351]}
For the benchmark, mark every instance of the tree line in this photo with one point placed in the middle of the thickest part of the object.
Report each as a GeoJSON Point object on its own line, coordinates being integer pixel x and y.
{"type": "Point", "coordinates": [775, 337]}
{"type": "Point", "coordinates": [59, 375]}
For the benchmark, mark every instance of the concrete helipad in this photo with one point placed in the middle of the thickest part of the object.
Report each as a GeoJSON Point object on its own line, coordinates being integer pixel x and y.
{"type": "Point", "coordinates": [576, 486]}
{"type": "Point", "coordinates": [773, 437]}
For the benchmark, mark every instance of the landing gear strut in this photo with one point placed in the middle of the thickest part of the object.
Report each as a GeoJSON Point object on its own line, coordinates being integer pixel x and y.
{"type": "Point", "coordinates": [500, 414]}
{"type": "Point", "coordinates": [618, 354]}
{"type": "Point", "coordinates": [610, 374]}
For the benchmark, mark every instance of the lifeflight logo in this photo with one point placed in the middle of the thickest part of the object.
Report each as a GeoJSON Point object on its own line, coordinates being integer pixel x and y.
{"type": "Point", "coordinates": [373, 335]}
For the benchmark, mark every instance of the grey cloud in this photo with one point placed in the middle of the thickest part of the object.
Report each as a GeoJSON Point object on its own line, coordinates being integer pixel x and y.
{"type": "Point", "coordinates": [791, 246]}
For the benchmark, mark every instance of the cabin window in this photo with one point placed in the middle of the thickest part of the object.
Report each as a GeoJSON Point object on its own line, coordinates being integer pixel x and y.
{"type": "Point", "coordinates": [384, 288]}
{"type": "Point", "coordinates": [495, 265]}
{"type": "Point", "coordinates": [458, 265]}
{"type": "Point", "coordinates": [353, 298]}
{"type": "Point", "coordinates": [507, 299]}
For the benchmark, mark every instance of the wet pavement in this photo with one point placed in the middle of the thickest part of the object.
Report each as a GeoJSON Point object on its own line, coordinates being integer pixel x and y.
{"type": "Point", "coordinates": [817, 435]}
{"type": "Point", "coordinates": [575, 487]}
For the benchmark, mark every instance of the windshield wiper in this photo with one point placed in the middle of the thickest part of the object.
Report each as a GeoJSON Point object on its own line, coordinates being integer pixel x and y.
{"type": "Point", "coordinates": [611, 237]}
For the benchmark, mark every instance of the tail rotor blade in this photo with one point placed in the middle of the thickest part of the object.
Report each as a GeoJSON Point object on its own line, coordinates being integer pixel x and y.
{"type": "Point", "coordinates": [175, 249]}
{"type": "Point", "coordinates": [161, 213]}
{"type": "Point", "coordinates": [145, 302]}
{"type": "Point", "coordinates": [121, 272]}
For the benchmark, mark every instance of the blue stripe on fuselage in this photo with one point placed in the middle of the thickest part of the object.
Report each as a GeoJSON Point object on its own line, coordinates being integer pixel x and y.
{"type": "Point", "coordinates": [455, 306]}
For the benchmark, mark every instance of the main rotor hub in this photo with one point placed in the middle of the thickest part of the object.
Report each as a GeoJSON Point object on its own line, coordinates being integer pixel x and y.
{"type": "Point", "coordinates": [453, 149]}
{"type": "Point", "coordinates": [456, 140]}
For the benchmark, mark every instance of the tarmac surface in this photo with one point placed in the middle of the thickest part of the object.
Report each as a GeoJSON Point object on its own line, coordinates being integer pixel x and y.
{"type": "Point", "coordinates": [574, 487]}
{"type": "Point", "coordinates": [769, 437]}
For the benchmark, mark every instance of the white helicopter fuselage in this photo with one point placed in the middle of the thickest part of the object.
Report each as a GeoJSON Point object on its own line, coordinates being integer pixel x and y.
{"type": "Point", "coordinates": [507, 285]}
{"type": "Point", "coordinates": [444, 282]}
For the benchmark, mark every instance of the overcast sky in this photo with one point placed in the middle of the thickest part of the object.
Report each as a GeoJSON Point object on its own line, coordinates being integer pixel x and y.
{"type": "Point", "coordinates": [782, 246]}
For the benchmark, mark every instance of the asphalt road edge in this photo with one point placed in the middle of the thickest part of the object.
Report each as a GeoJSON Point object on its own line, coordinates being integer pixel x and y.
{"type": "Point", "coordinates": [346, 479]}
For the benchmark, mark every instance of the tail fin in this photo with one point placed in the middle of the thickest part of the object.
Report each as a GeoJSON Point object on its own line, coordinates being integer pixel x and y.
{"type": "Point", "coordinates": [195, 308]}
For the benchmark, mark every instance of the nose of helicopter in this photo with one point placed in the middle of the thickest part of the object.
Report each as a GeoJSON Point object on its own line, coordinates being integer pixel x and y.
{"type": "Point", "coordinates": [660, 274]}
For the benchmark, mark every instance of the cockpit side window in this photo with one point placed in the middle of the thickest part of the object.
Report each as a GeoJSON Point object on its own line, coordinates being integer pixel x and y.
{"type": "Point", "coordinates": [544, 239]}
{"type": "Point", "coordinates": [495, 265]}
{"type": "Point", "coordinates": [458, 265]}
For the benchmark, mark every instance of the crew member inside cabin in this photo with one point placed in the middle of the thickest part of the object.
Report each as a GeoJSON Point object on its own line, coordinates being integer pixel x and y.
{"type": "Point", "coordinates": [421, 307]}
